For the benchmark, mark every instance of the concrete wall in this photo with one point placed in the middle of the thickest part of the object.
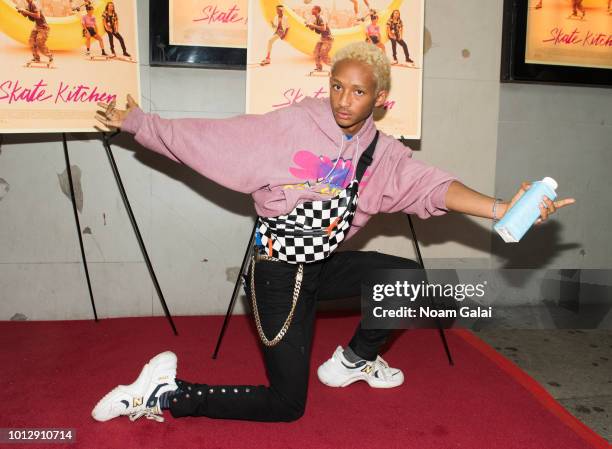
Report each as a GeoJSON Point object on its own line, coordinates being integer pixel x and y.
{"type": "Point", "coordinates": [182, 216]}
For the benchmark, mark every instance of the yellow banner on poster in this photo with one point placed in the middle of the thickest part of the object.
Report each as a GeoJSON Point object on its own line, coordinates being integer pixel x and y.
{"type": "Point", "coordinates": [60, 58]}
{"type": "Point", "coordinates": [287, 60]}
{"type": "Point", "coordinates": [570, 33]}
{"type": "Point", "coordinates": [208, 23]}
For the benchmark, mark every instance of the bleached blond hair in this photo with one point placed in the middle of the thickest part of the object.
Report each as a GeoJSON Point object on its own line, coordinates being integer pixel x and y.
{"type": "Point", "coordinates": [371, 55]}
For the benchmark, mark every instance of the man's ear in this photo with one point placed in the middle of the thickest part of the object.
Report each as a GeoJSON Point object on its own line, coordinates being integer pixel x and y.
{"type": "Point", "coordinates": [381, 97]}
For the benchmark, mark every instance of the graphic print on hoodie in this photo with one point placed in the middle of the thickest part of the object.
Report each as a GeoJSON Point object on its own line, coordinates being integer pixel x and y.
{"type": "Point", "coordinates": [322, 174]}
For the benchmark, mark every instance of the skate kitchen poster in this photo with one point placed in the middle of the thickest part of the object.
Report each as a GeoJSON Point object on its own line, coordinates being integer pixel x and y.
{"type": "Point", "coordinates": [49, 80]}
{"type": "Point", "coordinates": [570, 33]}
{"type": "Point", "coordinates": [208, 23]}
{"type": "Point", "coordinates": [281, 71]}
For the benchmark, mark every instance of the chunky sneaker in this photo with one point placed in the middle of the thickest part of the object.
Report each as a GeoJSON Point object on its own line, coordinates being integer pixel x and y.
{"type": "Point", "coordinates": [141, 398]}
{"type": "Point", "coordinates": [339, 372]}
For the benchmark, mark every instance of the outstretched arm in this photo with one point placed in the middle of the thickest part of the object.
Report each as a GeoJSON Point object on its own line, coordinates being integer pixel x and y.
{"type": "Point", "coordinates": [233, 152]}
{"type": "Point", "coordinates": [34, 15]}
{"type": "Point", "coordinates": [460, 198]}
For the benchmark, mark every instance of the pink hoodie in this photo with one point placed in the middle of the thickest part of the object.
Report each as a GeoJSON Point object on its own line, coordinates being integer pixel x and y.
{"type": "Point", "coordinates": [297, 154]}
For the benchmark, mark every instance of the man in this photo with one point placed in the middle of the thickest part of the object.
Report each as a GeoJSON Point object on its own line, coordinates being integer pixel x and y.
{"type": "Point", "coordinates": [40, 33]}
{"type": "Point", "coordinates": [322, 48]}
{"type": "Point", "coordinates": [234, 153]}
{"type": "Point", "coordinates": [279, 24]}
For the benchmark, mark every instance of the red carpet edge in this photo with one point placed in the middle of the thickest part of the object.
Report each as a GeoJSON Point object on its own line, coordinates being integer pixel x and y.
{"type": "Point", "coordinates": [537, 390]}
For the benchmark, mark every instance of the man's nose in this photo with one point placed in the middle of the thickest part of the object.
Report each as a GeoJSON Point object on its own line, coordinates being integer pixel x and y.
{"type": "Point", "coordinates": [345, 98]}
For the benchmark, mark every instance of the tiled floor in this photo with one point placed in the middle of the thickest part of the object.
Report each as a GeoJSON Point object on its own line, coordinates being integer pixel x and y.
{"type": "Point", "coordinates": [575, 366]}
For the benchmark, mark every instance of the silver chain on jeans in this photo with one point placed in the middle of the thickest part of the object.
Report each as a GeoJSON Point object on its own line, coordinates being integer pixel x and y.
{"type": "Point", "coordinates": [296, 293]}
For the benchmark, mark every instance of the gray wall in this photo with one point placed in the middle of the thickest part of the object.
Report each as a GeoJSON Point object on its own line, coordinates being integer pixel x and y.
{"type": "Point", "coordinates": [563, 132]}
{"type": "Point", "coordinates": [196, 231]}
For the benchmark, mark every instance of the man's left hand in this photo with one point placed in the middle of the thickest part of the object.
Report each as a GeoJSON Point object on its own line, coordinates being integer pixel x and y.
{"type": "Point", "coordinates": [547, 206]}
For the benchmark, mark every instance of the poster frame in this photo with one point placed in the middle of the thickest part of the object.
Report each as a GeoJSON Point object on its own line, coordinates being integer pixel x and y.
{"type": "Point", "coordinates": [163, 54]}
{"type": "Point", "coordinates": [514, 69]}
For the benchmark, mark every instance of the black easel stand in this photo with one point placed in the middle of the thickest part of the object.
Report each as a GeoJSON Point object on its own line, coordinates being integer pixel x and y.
{"type": "Point", "coordinates": [437, 320]}
{"type": "Point", "coordinates": [78, 224]}
{"type": "Point", "coordinates": [106, 142]}
{"type": "Point", "coordinates": [230, 307]}
{"type": "Point", "coordinates": [243, 268]}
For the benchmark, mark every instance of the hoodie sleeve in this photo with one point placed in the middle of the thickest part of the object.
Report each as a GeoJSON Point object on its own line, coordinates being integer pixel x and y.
{"type": "Point", "coordinates": [414, 187]}
{"type": "Point", "coordinates": [228, 151]}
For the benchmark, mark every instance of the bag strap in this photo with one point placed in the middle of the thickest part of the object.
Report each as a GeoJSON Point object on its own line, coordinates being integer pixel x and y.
{"type": "Point", "coordinates": [366, 158]}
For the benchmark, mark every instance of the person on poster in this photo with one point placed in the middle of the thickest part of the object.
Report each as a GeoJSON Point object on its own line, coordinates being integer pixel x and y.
{"type": "Point", "coordinates": [577, 6]}
{"type": "Point", "coordinates": [85, 4]}
{"type": "Point", "coordinates": [90, 29]}
{"type": "Point", "coordinates": [40, 32]}
{"type": "Point", "coordinates": [373, 32]}
{"type": "Point", "coordinates": [395, 32]}
{"type": "Point", "coordinates": [235, 153]}
{"type": "Point", "coordinates": [322, 48]}
{"type": "Point", "coordinates": [279, 24]}
{"type": "Point", "coordinates": [111, 25]}
{"type": "Point", "coordinates": [356, 6]}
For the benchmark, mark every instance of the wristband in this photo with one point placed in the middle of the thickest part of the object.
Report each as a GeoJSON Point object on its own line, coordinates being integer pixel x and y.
{"type": "Point", "coordinates": [495, 203]}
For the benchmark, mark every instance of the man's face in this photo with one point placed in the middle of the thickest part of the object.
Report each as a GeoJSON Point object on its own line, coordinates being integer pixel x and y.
{"type": "Point", "coordinates": [352, 93]}
{"type": "Point", "coordinates": [279, 11]}
{"type": "Point", "coordinates": [315, 11]}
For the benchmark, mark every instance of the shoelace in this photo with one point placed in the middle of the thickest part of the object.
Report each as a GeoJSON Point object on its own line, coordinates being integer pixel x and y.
{"type": "Point", "coordinates": [149, 413]}
{"type": "Point", "coordinates": [382, 367]}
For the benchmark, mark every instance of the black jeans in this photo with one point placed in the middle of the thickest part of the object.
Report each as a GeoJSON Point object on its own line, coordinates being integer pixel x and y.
{"type": "Point", "coordinates": [404, 46]}
{"type": "Point", "coordinates": [287, 363]}
{"type": "Point", "coordinates": [112, 42]}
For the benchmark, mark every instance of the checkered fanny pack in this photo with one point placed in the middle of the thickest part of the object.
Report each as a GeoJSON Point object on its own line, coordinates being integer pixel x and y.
{"type": "Point", "coordinates": [314, 229]}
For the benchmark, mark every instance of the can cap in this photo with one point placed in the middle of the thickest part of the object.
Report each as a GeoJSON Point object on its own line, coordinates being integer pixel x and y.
{"type": "Point", "coordinates": [550, 182]}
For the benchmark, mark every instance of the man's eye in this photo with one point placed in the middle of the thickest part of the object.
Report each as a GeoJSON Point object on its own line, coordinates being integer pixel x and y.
{"type": "Point", "coordinates": [336, 86]}
{"type": "Point", "coordinates": [359, 92]}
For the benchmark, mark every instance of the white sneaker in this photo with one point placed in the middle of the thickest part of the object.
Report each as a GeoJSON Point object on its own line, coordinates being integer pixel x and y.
{"type": "Point", "coordinates": [339, 372]}
{"type": "Point", "coordinates": [141, 398]}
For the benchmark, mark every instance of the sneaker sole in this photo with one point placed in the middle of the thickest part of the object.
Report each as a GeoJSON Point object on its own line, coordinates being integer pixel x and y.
{"type": "Point", "coordinates": [352, 379]}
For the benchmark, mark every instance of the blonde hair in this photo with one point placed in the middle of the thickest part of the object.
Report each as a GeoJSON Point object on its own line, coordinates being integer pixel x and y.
{"type": "Point", "coordinates": [368, 54]}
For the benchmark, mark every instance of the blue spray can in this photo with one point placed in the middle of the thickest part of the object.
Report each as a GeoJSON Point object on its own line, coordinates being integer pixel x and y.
{"type": "Point", "coordinates": [523, 214]}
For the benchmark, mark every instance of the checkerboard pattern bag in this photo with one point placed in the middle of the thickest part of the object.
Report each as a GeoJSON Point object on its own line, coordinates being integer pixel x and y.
{"type": "Point", "coordinates": [314, 229]}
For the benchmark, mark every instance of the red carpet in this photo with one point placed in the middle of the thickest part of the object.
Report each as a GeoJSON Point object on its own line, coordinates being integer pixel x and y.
{"type": "Point", "coordinates": [53, 373]}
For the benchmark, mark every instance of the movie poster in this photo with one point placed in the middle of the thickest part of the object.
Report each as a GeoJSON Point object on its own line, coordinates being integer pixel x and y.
{"type": "Point", "coordinates": [208, 23]}
{"type": "Point", "coordinates": [61, 57]}
{"type": "Point", "coordinates": [570, 33]}
{"type": "Point", "coordinates": [288, 60]}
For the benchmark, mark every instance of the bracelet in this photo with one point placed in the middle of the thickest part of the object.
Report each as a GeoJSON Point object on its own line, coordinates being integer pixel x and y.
{"type": "Point", "coordinates": [495, 203]}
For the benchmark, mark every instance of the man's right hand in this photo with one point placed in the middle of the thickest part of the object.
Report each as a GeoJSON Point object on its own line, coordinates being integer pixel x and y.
{"type": "Point", "coordinates": [112, 117]}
